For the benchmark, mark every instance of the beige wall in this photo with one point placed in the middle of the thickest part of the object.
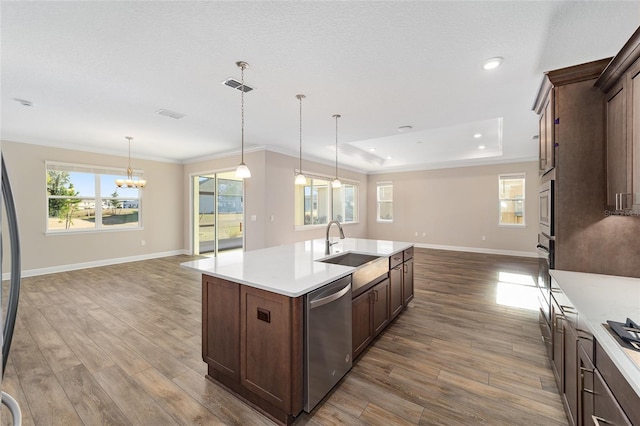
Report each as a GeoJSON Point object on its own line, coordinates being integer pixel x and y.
{"type": "Point", "coordinates": [453, 207]}
{"type": "Point", "coordinates": [269, 193]}
{"type": "Point", "coordinates": [161, 211]}
{"type": "Point", "coordinates": [456, 207]}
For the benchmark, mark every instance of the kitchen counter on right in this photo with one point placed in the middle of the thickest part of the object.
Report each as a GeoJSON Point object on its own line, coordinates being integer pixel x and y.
{"type": "Point", "coordinates": [599, 298]}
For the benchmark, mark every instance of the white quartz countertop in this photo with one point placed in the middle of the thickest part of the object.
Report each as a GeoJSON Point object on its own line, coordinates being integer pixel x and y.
{"type": "Point", "coordinates": [291, 270]}
{"type": "Point", "coordinates": [599, 298]}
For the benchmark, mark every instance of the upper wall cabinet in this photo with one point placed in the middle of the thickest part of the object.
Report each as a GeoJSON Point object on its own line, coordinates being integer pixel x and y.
{"type": "Point", "coordinates": [621, 83]}
{"type": "Point", "coordinates": [547, 106]}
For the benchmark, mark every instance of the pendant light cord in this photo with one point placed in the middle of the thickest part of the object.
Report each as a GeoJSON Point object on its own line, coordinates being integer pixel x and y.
{"type": "Point", "coordinates": [242, 67]}
{"type": "Point", "coordinates": [300, 98]}
{"type": "Point", "coordinates": [336, 117]}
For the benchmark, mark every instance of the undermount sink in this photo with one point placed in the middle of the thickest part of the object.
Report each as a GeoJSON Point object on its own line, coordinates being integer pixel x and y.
{"type": "Point", "coordinates": [350, 259]}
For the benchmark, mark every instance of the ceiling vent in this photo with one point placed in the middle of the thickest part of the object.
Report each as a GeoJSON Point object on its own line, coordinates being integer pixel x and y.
{"type": "Point", "coordinates": [172, 114]}
{"type": "Point", "coordinates": [235, 84]}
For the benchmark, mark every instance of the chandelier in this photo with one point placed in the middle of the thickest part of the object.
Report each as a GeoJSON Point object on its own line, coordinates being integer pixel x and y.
{"type": "Point", "coordinates": [130, 182]}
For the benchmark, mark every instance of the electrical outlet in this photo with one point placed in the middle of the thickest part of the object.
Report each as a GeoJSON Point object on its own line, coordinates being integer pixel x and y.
{"type": "Point", "coordinates": [416, 233]}
{"type": "Point", "coordinates": [424, 234]}
{"type": "Point", "coordinates": [142, 242]}
{"type": "Point", "coordinates": [484, 238]}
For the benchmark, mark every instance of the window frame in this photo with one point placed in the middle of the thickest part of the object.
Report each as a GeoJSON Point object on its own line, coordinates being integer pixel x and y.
{"type": "Point", "coordinates": [330, 201]}
{"type": "Point", "coordinates": [97, 199]}
{"type": "Point", "coordinates": [506, 176]}
{"type": "Point", "coordinates": [378, 201]}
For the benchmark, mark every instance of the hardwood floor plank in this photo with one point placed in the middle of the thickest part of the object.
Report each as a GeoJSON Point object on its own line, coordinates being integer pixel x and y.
{"type": "Point", "coordinates": [375, 415]}
{"type": "Point", "coordinates": [91, 402]}
{"type": "Point", "coordinates": [139, 407]}
{"type": "Point", "coordinates": [184, 409]}
{"type": "Point", "coordinates": [219, 401]}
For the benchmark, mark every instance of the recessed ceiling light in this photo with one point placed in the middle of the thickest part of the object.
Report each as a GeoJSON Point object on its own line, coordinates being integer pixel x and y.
{"type": "Point", "coordinates": [372, 149]}
{"type": "Point", "coordinates": [481, 147]}
{"type": "Point", "coordinates": [477, 135]}
{"type": "Point", "coordinates": [492, 63]}
{"type": "Point", "coordinates": [388, 158]}
{"type": "Point", "coordinates": [24, 102]}
{"type": "Point", "coordinates": [404, 128]}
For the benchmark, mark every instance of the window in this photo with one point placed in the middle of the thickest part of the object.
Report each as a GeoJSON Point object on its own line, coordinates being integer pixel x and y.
{"type": "Point", "coordinates": [86, 198]}
{"type": "Point", "coordinates": [317, 203]}
{"type": "Point", "coordinates": [511, 199]}
{"type": "Point", "coordinates": [385, 201]}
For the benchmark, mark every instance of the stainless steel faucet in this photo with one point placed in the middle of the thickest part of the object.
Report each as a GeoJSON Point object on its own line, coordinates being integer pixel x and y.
{"type": "Point", "coordinates": [328, 245]}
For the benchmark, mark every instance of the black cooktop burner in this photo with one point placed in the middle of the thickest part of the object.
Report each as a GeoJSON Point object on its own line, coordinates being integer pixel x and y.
{"type": "Point", "coordinates": [628, 331]}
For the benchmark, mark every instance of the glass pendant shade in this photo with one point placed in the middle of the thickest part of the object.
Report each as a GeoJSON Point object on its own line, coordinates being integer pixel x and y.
{"type": "Point", "coordinates": [300, 179]}
{"type": "Point", "coordinates": [243, 171]}
{"type": "Point", "coordinates": [336, 183]}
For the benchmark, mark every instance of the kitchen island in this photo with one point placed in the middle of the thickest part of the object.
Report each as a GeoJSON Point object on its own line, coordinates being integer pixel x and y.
{"type": "Point", "coordinates": [253, 313]}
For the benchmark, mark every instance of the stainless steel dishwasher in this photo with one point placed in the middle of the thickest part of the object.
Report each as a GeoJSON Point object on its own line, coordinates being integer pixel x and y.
{"type": "Point", "coordinates": [327, 339]}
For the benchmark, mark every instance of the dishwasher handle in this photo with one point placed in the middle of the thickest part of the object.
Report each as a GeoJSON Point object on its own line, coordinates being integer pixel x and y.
{"type": "Point", "coordinates": [330, 298]}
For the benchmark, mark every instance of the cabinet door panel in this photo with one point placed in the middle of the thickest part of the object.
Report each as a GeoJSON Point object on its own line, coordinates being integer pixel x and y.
{"type": "Point", "coordinates": [380, 306]}
{"type": "Point", "coordinates": [396, 299]}
{"type": "Point", "coordinates": [267, 365]}
{"type": "Point", "coordinates": [221, 325]}
{"type": "Point", "coordinates": [585, 401]}
{"type": "Point", "coordinates": [361, 334]}
{"type": "Point", "coordinates": [408, 281]}
{"type": "Point", "coordinates": [617, 149]}
{"type": "Point", "coordinates": [606, 408]}
{"type": "Point", "coordinates": [558, 344]}
{"type": "Point", "coordinates": [571, 371]}
{"type": "Point", "coordinates": [635, 124]}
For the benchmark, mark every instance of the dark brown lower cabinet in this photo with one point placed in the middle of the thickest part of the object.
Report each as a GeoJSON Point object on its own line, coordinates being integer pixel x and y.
{"type": "Point", "coordinates": [571, 372]}
{"type": "Point", "coordinates": [221, 326]}
{"type": "Point", "coordinates": [558, 344]}
{"type": "Point", "coordinates": [370, 315]}
{"type": "Point", "coordinates": [252, 341]}
{"type": "Point", "coordinates": [586, 371]}
{"type": "Point", "coordinates": [396, 290]}
{"type": "Point", "coordinates": [407, 282]}
{"type": "Point", "coordinates": [606, 409]}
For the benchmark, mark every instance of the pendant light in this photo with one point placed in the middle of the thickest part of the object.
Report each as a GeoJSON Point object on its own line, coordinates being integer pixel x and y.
{"type": "Point", "coordinates": [242, 171]}
{"type": "Point", "coordinates": [130, 182]}
{"type": "Point", "coordinates": [336, 182]}
{"type": "Point", "coordinates": [300, 179]}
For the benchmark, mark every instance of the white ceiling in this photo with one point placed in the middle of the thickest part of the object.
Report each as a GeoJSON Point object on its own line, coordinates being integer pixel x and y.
{"type": "Point", "coordinates": [98, 71]}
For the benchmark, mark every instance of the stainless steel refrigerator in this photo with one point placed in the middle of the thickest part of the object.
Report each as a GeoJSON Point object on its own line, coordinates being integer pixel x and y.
{"type": "Point", "coordinates": [8, 216]}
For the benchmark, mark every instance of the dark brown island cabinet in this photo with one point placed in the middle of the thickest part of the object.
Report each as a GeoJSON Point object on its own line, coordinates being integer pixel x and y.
{"type": "Point", "coordinates": [253, 340]}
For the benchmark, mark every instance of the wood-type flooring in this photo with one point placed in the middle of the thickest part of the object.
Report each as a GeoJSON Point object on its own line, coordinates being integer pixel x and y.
{"type": "Point", "coordinates": [121, 345]}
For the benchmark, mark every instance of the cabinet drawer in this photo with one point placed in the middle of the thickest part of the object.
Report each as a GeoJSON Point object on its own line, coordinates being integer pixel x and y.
{"type": "Point", "coordinates": [407, 254]}
{"type": "Point", "coordinates": [395, 260]}
{"type": "Point", "coordinates": [620, 388]}
{"type": "Point", "coordinates": [606, 409]}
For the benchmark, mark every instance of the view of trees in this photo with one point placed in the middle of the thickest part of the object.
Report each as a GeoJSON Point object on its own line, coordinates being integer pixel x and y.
{"type": "Point", "coordinates": [59, 183]}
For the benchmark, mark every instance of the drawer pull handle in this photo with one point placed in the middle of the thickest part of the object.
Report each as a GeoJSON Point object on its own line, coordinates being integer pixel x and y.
{"type": "Point", "coordinates": [588, 370]}
{"type": "Point", "coordinates": [596, 420]}
{"type": "Point", "coordinates": [588, 334]}
{"type": "Point", "coordinates": [569, 309]}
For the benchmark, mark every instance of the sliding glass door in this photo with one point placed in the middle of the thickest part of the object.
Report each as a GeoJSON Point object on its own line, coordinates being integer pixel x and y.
{"type": "Point", "coordinates": [218, 213]}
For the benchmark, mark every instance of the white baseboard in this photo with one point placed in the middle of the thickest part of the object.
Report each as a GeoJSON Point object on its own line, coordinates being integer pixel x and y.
{"type": "Point", "coordinates": [86, 265]}
{"type": "Point", "coordinates": [479, 250]}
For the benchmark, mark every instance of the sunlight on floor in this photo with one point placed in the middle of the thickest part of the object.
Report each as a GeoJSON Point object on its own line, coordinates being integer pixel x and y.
{"type": "Point", "coordinates": [517, 291]}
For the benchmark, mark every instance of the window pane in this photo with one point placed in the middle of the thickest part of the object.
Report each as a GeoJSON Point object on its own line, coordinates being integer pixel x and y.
{"type": "Point", "coordinates": [511, 199]}
{"type": "Point", "coordinates": [351, 203]}
{"type": "Point", "coordinates": [319, 202]}
{"type": "Point", "coordinates": [511, 211]}
{"type": "Point", "coordinates": [385, 201]}
{"type": "Point", "coordinates": [385, 193]}
{"type": "Point", "coordinates": [385, 211]}
{"type": "Point", "coordinates": [71, 213]}
{"type": "Point", "coordinates": [120, 213]}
